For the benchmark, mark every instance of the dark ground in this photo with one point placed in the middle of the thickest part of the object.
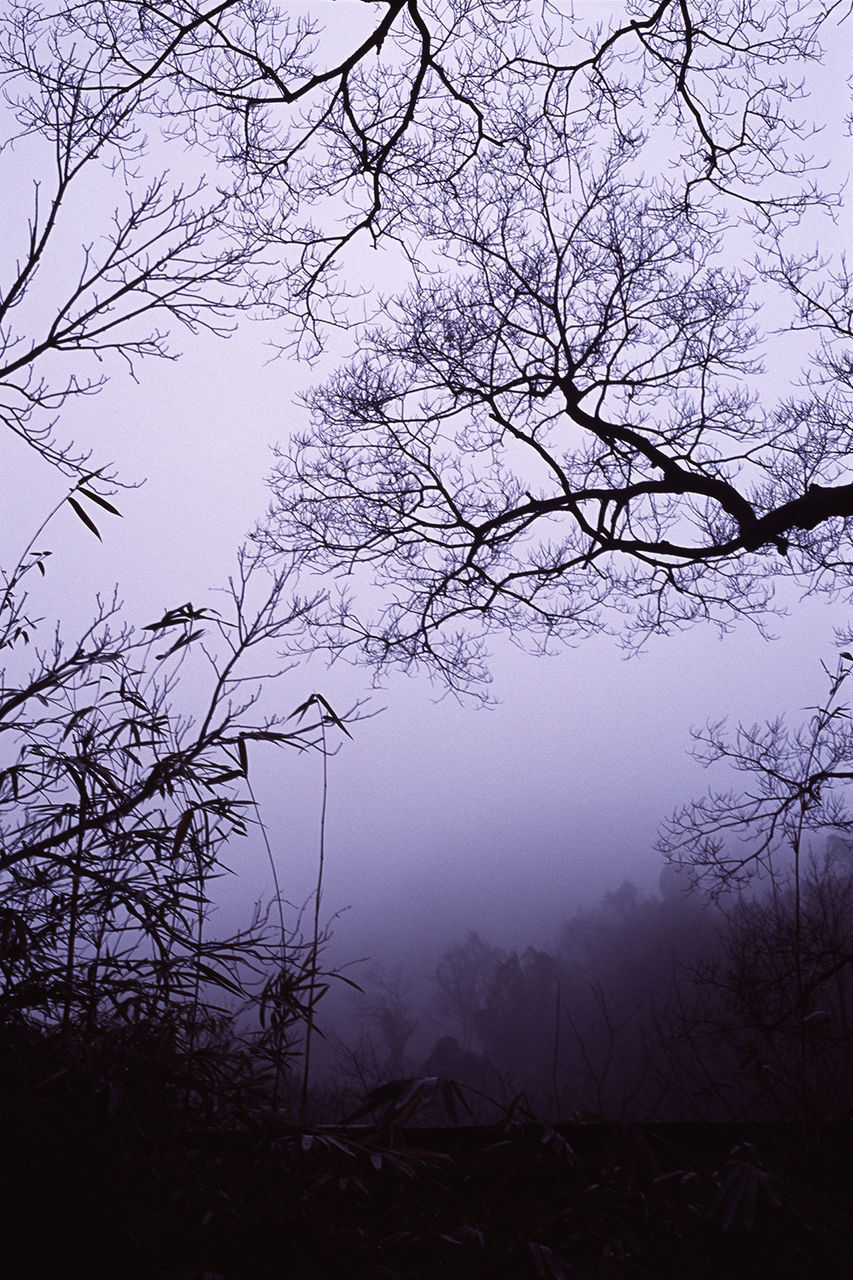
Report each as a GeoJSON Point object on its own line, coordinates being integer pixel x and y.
{"type": "Point", "coordinates": [98, 1182]}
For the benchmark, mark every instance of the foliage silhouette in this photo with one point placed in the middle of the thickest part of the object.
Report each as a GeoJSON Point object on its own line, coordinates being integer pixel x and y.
{"type": "Point", "coordinates": [782, 979]}
{"type": "Point", "coordinates": [125, 782]}
{"type": "Point", "coordinates": [568, 423]}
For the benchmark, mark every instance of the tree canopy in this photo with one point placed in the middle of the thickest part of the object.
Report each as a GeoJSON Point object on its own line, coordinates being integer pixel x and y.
{"type": "Point", "coordinates": [616, 392]}
{"type": "Point", "coordinates": [613, 391]}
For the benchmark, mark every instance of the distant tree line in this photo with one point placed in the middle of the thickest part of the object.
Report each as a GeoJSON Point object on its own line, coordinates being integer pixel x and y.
{"type": "Point", "coordinates": [669, 1007]}
{"type": "Point", "coordinates": [727, 997]}
{"type": "Point", "coordinates": [567, 427]}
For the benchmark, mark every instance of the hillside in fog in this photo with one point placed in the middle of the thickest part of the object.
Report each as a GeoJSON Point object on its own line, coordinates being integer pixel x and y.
{"type": "Point", "coordinates": [425, 748]}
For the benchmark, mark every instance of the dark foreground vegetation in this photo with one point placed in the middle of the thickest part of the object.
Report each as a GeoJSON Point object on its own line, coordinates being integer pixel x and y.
{"type": "Point", "coordinates": [160, 1114]}
{"type": "Point", "coordinates": [612, 394]}
{"type": "Point", "coordinates": [116, 1162]}
{"type": "Point", "coordinates": [170, 1138]}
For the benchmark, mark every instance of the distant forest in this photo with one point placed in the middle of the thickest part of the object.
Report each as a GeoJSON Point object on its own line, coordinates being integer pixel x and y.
{"type": "Point", "coordinates": [648, 1008]}
{"type": "Point", "coordinates": [581, 317]}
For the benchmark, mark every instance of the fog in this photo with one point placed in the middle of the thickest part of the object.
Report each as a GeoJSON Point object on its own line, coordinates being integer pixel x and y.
{"type": "Point", "coordinates": [426, 502]}
{"type": "Point", "coordinates": [443, 816]}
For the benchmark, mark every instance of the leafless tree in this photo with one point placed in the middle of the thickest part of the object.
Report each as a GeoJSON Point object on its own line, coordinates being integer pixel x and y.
{"type": "Point", "coordinates": [462, 977]}
{"type": "Point", "coordinates": [74, 306]}
{"type": "Point", "coordinates": [777, 993]}
{"type": "Point", "coordinates": [798, 782]}
{"type": "Point", "coordinates": [570, 421]}
{"type": "Point", "coordinates": [92, 93]}
{"type": "Point", "coordinates": [318, 137]}
{"type": "Point", "coordinates": [298, 137]}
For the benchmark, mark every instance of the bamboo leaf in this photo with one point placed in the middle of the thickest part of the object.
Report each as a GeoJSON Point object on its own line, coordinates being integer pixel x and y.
{"type": "Point", "coordinates": [102, 502]}
{"type": "Point", "coordinates": [303, 708]}
{"type": "Point", "coordinates": [217, 979]}
{"type": "Point", "coordinates": [172, 618]}
{"type": "Point", "coordinates": [87, 519]}
{"type": "Point", "coordinates": [181, 832]}
{"type": "Point", "coordinates": [317, 700]}
{"type": "Point", "coordinates": [332, 714]}
{"type": "Point", "coordinates": [228, 776]}
{"type": "Point", "coordinates": [74, 718]}
{"type": "Point", "coordinates": [180, 643]}
{"type": "Point", "coordinates": [14, 935]}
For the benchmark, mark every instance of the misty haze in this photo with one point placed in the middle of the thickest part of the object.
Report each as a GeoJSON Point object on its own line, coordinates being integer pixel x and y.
{"type": "Point", "coordinates": [425, 836]}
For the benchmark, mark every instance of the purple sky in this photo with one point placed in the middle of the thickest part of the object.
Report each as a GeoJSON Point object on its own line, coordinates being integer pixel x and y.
{"type": "Point", "coordinates": [442, 817]}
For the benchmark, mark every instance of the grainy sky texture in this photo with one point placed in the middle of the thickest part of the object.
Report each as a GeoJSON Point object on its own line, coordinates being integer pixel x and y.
{"type": "Point", "coordinates": [442, 817]}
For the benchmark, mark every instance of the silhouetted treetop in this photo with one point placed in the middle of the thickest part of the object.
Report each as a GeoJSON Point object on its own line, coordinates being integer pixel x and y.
{"type": "Point", "coordinates": [613, 389]}
{"type": "Point", "coordinates": [302, 137]}
{"type": "Point", "coordinates": [611, 399]}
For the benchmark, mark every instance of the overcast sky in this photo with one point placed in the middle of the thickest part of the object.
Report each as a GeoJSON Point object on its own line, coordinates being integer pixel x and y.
{"type": "Point", "coordinates": [442, 817]}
